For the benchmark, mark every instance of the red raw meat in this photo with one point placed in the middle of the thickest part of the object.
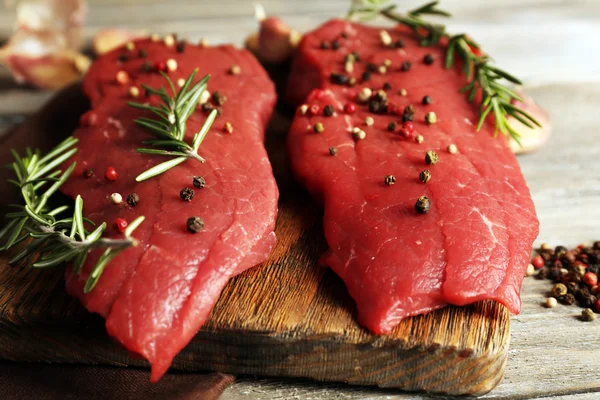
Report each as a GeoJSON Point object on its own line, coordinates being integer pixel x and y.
{"type": "Point", "coordinates": [157, 295]}
{"type": "Point", "coordinates": [475, 242]}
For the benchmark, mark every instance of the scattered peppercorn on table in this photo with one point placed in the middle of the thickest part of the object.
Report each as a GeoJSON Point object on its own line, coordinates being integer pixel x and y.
{"type": "Point", "coordinates": [553, 352]}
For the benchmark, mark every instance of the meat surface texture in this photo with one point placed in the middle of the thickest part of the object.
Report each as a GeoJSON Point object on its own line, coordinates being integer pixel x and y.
{"type": "Point", "coordinates": [157, 295]}
{"type": "Point", "coordinates": [475, 242]}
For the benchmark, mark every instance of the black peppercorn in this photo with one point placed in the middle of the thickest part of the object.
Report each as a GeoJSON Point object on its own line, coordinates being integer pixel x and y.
{"type": "Point", "coordinates": [207, 107]}
{"type": "Point", "coordinates": [333, 151]}
{"type": "Point", "coordinates": [142, 53]}
{"type": "Point", "coordinates": [428, 59]}
{"type": "Point", "coordinates": [387, 86]}
{"type": "Point", "coordinates": [427, 100]}
{"type": "Point", "coordinates": [560, 251]}
{"type": "Point", "coordinates": [88, 173]}
{"type": "Point", "coordinates": [133, 199]}
{"type": "Point", "coordinates": [572, 287]}
{"type": "Point", "coordinates": [344, 35]}
{"type": "Point", "coordinates": [187, 194]}
{"type": "Point", "coordinates": [554, 274]}
{"type": "Point", "coordinates": [389, 180]}
{"type": "Point", "coordinates": [423, 205]}
{"type": "Point", "coordinates": [366, 76]}
{"type": "Point", "coordinates": [574, 276]}
{"type": "Point", "coordinates": [568, 299]}
{"type": "Point", "coordinates": [180, 46]}
{"type": "Point", "coordinates": [399, 44]}
{"type": "Point", "coordinates": [218, 99]}
{"type": "Point", "coordinates": [335, 45]}
{"type": "Point", "coordinates": [588, 301]}
{"type": "Point", "coordinates": [199, 182]}
{"type": "Point", "coordinates": [391, 126]}
{"type": "Point", "coordinates": [425, 176]}
{"type": "Point", "coordinates": [324, 45]}
{"type": "Point", "coordinates": [356, 55]}
{"type": "Point", "coordinates": [123, 58]}
{"type": "Point", "coordinates": [339, 79]}
{"type": "Point", "coordinates": [328, 110]}
{"type": "Point", "coordinates": [406, 66]}
{"type": "Point", "coordinates": [543, 274]}
{"type": "Point", "coordinates": [195, 224]}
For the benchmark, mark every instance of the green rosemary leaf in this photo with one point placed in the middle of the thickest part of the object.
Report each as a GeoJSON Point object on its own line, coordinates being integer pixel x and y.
{"type": "Point", "coordinates": [14, 237]}
{"type": "Point", "coordinates": [29, 249]}
{"type": "Point", "coordinates": [154, 126]}
{"type": "Point", "coordinates": [169, 143]}
{"type": "Point", "coordinates": [524, 121]}
{"type": "Point", "coordinates": [171, 126]}
{"type": "Point", "coordinates": [59, 149]}
{"type": "Point", "coordinates": [57, 259]}
{"type": "Point", "coordinates": [199, 137]}
{"type": "Point", "coordinates": [35, 216]}
{"type": "Point", "coordinates": [4, 231]}
{"type": "Point", "coordinates": [55, 186]}
{"type": "Point", "coordinates": [103, 261]}
{"type": "Point", "coordinates": [78, 217]}
{"type": "Point", "coordinates": [58, 210]}
{"type": "Point", "coordinates": [40, 235]}
{"type": "Point", "coordinates": [505, 75]}
{"type": "Point", "coordinates": [133, 226]}
{"type": "Point", "coordinates": [156, 110]}
{"type": "Point", "coordinates": [12, 181]}
{"type": "Point", "coordinates": [503, 89]}
{"type": "Point", "coordinates": [198, 88]}
{"type": "Point", "coordinates": [95, 235]}
{"type": "Point", "coordinates": [16, 214]}
{"type": "Point", "coordinates": [499, 117]}
{"type": "Point", "coordinates": [516, 110]}
{"type": "Point", "coordinates": [54, 163]}
{"type": "Point", "coordinates": [482, 117]}
{"type": "Point", "coordinates": [450, 53]}
{"type": "Point", "coordinates": [162, 152]}
{"type": "Point", "coordinates": [159, 169]}
{"type": "Point", "coordinates": [79, 262]}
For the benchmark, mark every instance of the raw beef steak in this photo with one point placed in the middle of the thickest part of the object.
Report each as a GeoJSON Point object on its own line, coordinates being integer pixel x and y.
{"type": "Point", "coordinates": [364, 165]}
{"type": "Point", "coordinates": [157, 295]}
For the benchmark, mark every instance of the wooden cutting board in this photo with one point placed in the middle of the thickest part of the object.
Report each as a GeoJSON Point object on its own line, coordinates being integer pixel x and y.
{"type": "Point", "coordinates": [288, 317]}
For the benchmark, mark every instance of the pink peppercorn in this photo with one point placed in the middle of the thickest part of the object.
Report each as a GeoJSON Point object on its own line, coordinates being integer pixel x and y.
{"type": "Point", "coordinates": [120, 225]}
{"type": "Point", "coordinates": [349, 108]}
{"type": "Point", "coordinates": [590, 279]}
{"type": "Point", "coordinates": [538, 262]}
{"type": "Point", "coordinates": [111, 174]}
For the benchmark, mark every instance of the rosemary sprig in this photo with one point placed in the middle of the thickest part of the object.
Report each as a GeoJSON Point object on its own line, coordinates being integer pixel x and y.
{"type": "Point", "coordinates": [170, 125]}
{"type": "Point", "coordinates": [482, 77]}
{"type": "Point", "coordinates": [56, 239]}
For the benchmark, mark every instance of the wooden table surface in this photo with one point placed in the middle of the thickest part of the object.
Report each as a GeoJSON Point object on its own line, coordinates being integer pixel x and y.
{"type": "Point", "coordinates": [553, 45]}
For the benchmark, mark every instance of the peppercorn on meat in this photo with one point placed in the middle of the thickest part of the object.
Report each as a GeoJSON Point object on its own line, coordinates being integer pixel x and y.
{"type": "Point", "coordinates": [458, 223]}
{"type": "Point", "coordinates": [205, 222]}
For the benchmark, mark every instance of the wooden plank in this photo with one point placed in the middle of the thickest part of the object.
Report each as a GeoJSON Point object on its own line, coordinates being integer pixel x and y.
{"type": "Point", "coordinates": [288, 317]}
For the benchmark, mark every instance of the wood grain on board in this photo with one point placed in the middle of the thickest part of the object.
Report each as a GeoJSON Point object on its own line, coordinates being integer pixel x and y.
{"type": "Point", "coordinates": [288, 317]}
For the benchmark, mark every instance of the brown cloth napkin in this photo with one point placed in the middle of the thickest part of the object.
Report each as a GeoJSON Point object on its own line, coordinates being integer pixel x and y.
{"type": "Point", "coordinates": [52, 123]}
{"type": "Point", "coordinates": [53, 382]}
